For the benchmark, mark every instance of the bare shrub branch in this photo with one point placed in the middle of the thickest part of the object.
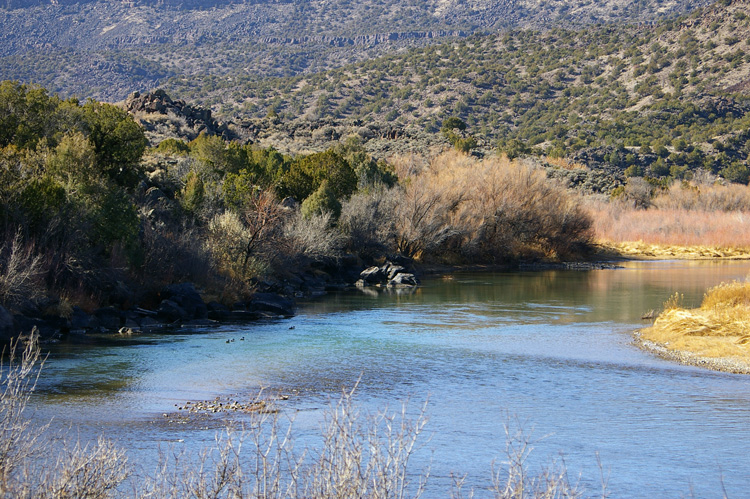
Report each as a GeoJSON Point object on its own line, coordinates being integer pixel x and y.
{"type": "Point", "coordinates": [369, 220]}
{"type": "Point", "coordinates": [21, 271]}
{"type": "Point", "coordinates": [313, 236]}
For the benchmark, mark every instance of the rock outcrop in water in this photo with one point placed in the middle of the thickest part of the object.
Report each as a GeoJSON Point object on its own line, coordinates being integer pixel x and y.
{"type": "Point", "coordinates": [389, 275]}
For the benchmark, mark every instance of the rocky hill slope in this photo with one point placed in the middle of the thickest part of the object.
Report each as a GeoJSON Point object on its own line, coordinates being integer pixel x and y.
{"type": "Point", "coordinates": [663, 99]}
{"type": "Point", "coordinates": [107, 49]}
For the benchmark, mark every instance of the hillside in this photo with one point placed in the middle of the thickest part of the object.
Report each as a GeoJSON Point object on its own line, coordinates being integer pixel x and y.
{"type": "Point", "coordinates": [106, 50]}
{"type": "Point", "coordinates": [661, 100]}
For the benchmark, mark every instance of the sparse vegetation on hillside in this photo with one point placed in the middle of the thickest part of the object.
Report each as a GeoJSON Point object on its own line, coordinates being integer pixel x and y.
{"type": "Point", "coordinates": [659, 100]}
{"type": "Point", "coordinates": [655, 101]}
{"type": "Point", "coordinates": [106, 50]}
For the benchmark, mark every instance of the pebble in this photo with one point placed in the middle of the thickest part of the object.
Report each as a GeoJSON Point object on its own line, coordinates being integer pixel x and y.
{"type": "Point", "coordinates": [691, 359]}
{"type": "Point", "coordinates": [214, 406]}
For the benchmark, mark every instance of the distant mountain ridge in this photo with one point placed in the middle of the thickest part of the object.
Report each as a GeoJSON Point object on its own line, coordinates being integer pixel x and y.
{"type": "Point", "coordinates": [107, 49]}
{"type": "Point", "coordinates": [188, 4]}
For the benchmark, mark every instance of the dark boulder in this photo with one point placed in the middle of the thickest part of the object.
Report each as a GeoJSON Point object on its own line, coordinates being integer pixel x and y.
{"type": "Point", "coordinates": [46, 329]}
{"type": "Point", "coordinates": [217, 311]}
{"type": "Point", "coordinates": [270, 302]}
{"type": "Point", "coordinates": [108, 318]}
{"type": "Point", "coordinates": [373, 275]}
{"type": "Point", "coordinates": [79, 319]}
{"type": "Point", "coordinates": [170, 311]}
{"type": "Point", "coordinates": [187, 298]}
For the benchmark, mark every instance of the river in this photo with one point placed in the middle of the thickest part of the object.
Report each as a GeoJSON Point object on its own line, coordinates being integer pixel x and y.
{"type": "Point", "coordinates": [547, 351]}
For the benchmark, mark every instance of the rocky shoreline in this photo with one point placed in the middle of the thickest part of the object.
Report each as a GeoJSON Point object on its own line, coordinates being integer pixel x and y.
{"type": "Point", "coordinates": [182, 306]}
{"type": "Point", "coordinates": [687, 358]}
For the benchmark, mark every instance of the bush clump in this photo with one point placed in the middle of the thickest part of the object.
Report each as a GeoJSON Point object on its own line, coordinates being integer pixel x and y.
{"type": "Point", "coordinates": [487, 210]}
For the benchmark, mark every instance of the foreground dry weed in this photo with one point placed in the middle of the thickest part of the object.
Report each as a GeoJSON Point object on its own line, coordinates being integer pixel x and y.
{"type": "Point", "coordinates": [361, 456]}
{"type": "Point", "coordinates": [30, 466]}
{"type": "Point", "coordinates": [719, 329]}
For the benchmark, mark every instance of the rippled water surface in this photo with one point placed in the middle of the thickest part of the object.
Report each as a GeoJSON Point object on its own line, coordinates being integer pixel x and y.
{"type": "Point", "coordinates": [550, 351]}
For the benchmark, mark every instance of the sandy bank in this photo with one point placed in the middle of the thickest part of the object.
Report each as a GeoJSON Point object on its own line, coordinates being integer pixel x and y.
{"type": "Point", "coordinates": [726, 365]}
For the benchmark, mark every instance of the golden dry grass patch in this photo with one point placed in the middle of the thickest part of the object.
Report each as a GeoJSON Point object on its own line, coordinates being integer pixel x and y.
{"type": "Point", "coordinates": [644, 250]}
{"type": "Point", "coordinates": [719, 329]}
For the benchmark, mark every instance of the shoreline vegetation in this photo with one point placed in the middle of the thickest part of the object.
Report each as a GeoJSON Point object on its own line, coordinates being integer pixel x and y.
{"type": "Point", "coordinates": [106, 228]}
{"type": "Point", "coordinates": [715, 335]}
{"type": "Point", "coordinates": [639, 250]}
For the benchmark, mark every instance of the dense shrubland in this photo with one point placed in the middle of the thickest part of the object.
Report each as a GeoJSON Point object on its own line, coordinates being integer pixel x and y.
{"type": "Point", "coordinates": [92, 216]}
{"type": "Point", "coordinates": [461, 209]}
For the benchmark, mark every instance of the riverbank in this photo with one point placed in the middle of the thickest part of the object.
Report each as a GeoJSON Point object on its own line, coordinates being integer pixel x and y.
{"type": "Point", "coordinates": [726, 365]}
{"type": "Point", "coordinates": [715, 336]}
{"type": "Point", "coordinates": [639, 250]}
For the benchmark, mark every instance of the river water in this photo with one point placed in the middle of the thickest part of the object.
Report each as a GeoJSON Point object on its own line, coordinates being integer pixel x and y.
{"type": "Point", "coordinates": [546, 351]}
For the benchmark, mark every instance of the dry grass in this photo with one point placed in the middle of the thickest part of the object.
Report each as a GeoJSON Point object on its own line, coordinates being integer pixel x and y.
{"type": "Point", "coordinates": [688, 220]}
{"type": "Point", "coordinates": [642, 250]}
{"type": "Point", "coordinates": [720, 328]}
{"type": "Point", "coordinates": [671, 232]}
{"type": "Point", "coordinates": [705, 197]}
